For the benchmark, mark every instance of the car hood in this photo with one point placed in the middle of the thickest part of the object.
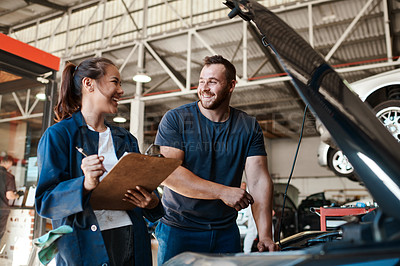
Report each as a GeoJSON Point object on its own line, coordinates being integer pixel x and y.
{"type": "Point", "coordinates": [332, 254]}
{"type": "Point", "coordinates": [371, 149]}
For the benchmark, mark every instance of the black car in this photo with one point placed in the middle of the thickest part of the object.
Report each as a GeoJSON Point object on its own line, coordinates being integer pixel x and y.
{"type": "Point", "coordinates": [307, 219]}
{"type": "Point", "coordinates": [289, 216]}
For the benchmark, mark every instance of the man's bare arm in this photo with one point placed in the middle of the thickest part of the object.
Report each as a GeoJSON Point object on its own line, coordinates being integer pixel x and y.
{"type": "Point", "coordinates": [190, 185]}
{"type": "Point", "coordinates": [261, 188]}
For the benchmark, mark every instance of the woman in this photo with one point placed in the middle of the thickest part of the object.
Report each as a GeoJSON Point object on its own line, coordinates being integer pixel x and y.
{"type": "Point", "coordinates": [88, 92]}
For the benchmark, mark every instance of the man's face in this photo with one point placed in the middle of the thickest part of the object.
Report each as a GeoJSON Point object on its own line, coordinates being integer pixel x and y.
{"type": "Point", "coordinates": [7, 164]}
{"type": "Point", "coordinates": [213, 87]}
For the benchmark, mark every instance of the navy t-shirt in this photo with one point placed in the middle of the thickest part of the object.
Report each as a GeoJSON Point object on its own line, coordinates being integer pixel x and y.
{"type": "Point", "coordinates": [215, 151]}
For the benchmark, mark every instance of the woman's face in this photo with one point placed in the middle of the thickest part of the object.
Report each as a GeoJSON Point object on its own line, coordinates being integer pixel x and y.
{"type": "Point", "coordinates": [108, 91]}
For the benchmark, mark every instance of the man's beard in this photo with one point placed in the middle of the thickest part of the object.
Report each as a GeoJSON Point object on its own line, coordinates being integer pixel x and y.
{"type": "Point", "coordinates": [212, 105]}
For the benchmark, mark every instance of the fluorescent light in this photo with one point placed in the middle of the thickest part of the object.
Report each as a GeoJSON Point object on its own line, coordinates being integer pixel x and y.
{"type": "Point", "coordinates": [41, 96]}
{"type": "Point", "coordinates": [42, 80]}
{"type": "Point", "coordinates": [380, 173]}
{"type": "Point", "coordinates": [141, 77]}
{"type": "Point", "coordinates": [119, 119]}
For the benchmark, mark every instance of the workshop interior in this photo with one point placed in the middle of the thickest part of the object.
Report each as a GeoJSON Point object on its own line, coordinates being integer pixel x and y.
{"type": "Point", "coordinates": [321, 77]}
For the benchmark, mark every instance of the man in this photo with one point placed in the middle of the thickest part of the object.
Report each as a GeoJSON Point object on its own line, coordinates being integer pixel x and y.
{"type": "Point", "coordinates": [216, 143]}
{"type": "Point", "coordinates": [7, 191]}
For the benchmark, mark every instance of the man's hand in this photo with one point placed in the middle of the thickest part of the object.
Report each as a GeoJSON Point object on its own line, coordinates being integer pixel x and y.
{"type": "Point", "coordinates": [140, 197]}
{"type": "Point", "coordinates": [267, 245]}
{"type": "Point", "coordinates": [236, 198]}
{"type": "Point", "coordinates": [19, 193]}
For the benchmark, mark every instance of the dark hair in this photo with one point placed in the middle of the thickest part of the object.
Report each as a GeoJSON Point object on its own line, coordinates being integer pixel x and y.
{"type": "Point", "coordinates": [7, 158]}
{"type": "Point", "coordinates": [70, 97]}
{"type": "Point", "coordinates": [230, 70]}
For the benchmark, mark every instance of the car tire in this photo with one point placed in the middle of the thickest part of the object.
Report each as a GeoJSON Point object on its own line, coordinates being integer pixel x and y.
{"type": "Point", "coordinates": [339, 163]}
{"type": "Point", "coordinates": [388, 113]}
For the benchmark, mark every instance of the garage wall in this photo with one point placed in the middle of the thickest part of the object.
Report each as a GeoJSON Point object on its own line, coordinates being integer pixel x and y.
{"type": "Point", "coordinates": [281, 154]}
{"type": "Point", "coordinates": [309, 177]}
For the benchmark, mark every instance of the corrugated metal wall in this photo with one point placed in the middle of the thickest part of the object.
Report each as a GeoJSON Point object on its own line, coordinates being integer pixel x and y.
{"type": "Point", "coordinates": [89, 29]}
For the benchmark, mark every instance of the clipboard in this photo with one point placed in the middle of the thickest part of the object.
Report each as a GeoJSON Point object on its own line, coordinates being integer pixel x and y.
{"type": "Point", "coordinates": [133, 169]}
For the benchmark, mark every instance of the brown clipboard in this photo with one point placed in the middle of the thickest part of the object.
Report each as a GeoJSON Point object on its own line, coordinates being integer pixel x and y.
{"type": "Point", "coordinates": [133, 169]}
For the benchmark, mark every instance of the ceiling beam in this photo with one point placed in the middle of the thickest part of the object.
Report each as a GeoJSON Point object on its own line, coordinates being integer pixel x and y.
{"type": "Point", "coordinates": [20, 84]}
{"type": "Point", "coordinates": [267, 101]}
{"type": "Point", "coordinates": [50, 15]}
{"type": "Point", "coordinates": [48, 4]}
{"type": "Point", "coordinates": [167, 53]}
{"type": "Point", "coordinates": [4, 29]}
{"type": "Point", "coordinates": [394, 37]}
{"type": "Point", "coordinates": [273, 129]}
{"type": "Point", "coordinates": [348, 30]}
{"type": "Point", "coordinates": [10, 10]}
{"type": "Point", "coordinates": [165, 65]}
{"type": "Point", "coordinates": [274, 62]}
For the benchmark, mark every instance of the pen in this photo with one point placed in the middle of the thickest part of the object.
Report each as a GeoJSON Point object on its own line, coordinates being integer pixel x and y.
{"type": "Point", "coordinates": [81, 151]}
{"type": "Point", "coordinates": [84, 154]}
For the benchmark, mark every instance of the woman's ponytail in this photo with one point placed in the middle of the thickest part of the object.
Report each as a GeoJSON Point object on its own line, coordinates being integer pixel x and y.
{"type": "Point", "coordinates": [69, 99]}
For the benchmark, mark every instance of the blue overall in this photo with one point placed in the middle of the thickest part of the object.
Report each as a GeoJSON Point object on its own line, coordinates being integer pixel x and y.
{"type": "Point", "coordinates": [60, 197]}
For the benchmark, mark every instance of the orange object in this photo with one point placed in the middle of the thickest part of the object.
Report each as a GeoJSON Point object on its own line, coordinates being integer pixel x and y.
{"type": "Point", "coordinates": [29, 52]}
{"type": "Point", "coordinates": [337, 212]}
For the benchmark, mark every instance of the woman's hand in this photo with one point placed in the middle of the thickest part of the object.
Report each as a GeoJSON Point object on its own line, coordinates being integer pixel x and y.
{"type": "Point", "coordinates": [92, 167]}
{"type": "Point", "coordinates": [141, 198]}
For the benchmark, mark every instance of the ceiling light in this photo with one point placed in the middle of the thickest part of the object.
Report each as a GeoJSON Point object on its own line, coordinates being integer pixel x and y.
{"type": "Point", "coordinates": [119, 119]}
{"type": "Point", "coordinates": [42, 80]}
{"type": "Point", "coordinates": [141, 77]}
{"type": "Point", "coordinates": [41, 96]}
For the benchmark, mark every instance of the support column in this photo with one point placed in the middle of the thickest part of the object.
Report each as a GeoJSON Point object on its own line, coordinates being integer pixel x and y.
{"type": "Point", "coordinates": [387, 31]}
{"type": "Point", "coordinates": [310, 26]}
{"type": "Point", "coordinates": [47, 121]}
{"type": "Point", "coordinates": [189, 60]}
{"type": "Point", "coordinates": [137, 121]}
{"type": "Point", "coordinates": [244, 28]}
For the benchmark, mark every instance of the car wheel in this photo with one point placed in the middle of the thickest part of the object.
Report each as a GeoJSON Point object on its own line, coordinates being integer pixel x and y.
{"type": "Point", "coordinates": [339, 163]}
{"type": "Point", "coordinates": [389, 114]}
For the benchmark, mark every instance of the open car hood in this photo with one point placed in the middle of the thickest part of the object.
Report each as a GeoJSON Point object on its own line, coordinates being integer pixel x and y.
{"type": "Point", "coordinates": [371, 149]}
{"type": "Point", "coordinates": [369, 146]}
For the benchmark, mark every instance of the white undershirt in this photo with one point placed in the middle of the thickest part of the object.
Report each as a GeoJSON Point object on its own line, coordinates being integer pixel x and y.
{"type": "Point", "coordinates": [109, 219]}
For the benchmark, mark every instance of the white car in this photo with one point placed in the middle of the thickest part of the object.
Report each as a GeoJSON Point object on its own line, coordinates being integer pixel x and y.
{"type": "Point", "coordinates": [382, 93]}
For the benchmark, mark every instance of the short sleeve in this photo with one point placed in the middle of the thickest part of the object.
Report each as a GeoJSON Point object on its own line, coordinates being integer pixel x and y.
{"type": "Point", "coordinates": [169, 132]}
{"type": "Point", "coordinates": [10, 182]}
{"type": "Point", "coordinates": [257, 146]}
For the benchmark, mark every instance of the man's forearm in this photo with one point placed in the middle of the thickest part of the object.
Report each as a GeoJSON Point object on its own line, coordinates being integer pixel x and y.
{"type": "Point", "coordinates": [190, 185]}
{"type": "Point", "coordinates": [263, 215]}
{"type": "Point", "coordinates": [186, 183]}
{"type": "Point", "coordinates": [262, 209]}
{"type": "Point", "coordinates": [261, 188]}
